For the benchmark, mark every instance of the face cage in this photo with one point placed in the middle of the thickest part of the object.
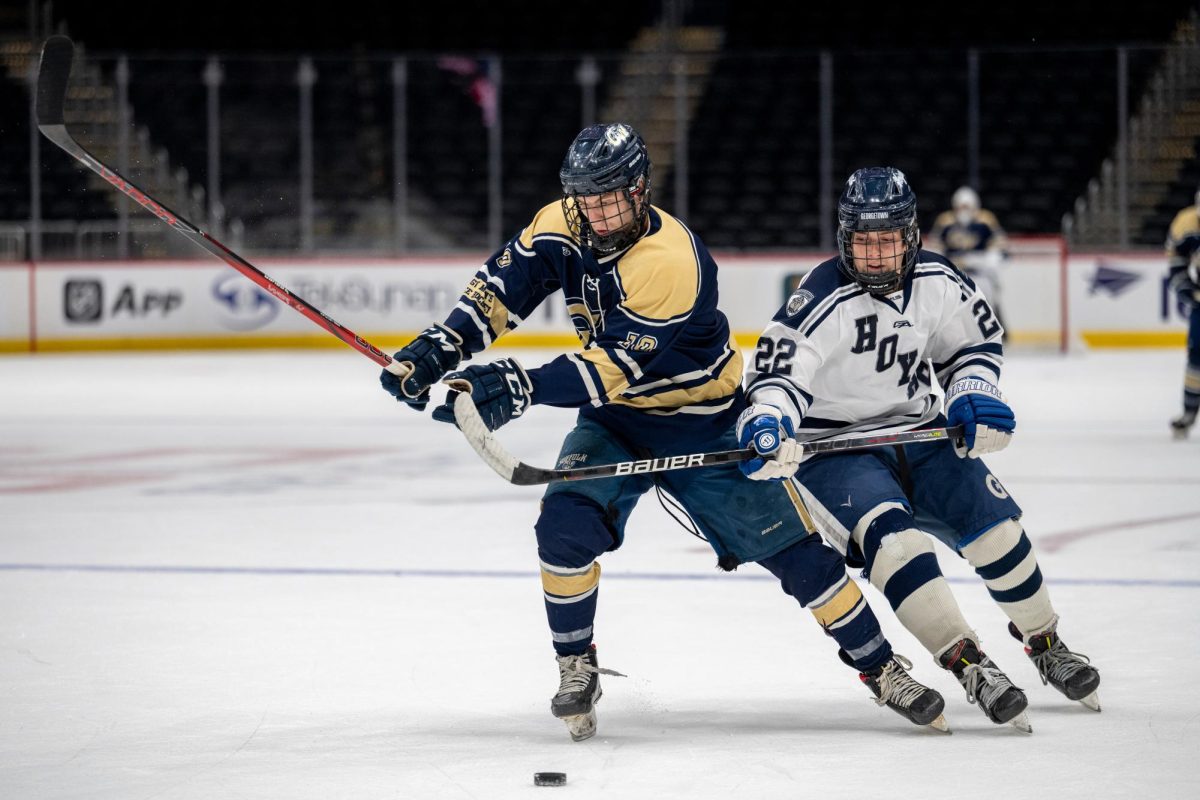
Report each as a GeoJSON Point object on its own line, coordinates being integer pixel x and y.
{"type": "Point", "coordinates": [879, 282]}
{"type": "Point", "coordinates": [611, 242]}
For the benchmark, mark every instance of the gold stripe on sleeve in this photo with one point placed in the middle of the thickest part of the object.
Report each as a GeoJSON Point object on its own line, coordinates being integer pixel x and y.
{"type": "Point", "coordinates": [723, 384]}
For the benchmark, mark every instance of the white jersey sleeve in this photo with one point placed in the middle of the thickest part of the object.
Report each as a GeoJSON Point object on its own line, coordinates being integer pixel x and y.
{"type": "Point", "coordinates": [967, 340]}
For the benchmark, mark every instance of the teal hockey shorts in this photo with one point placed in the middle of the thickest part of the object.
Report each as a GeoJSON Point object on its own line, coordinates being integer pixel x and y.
{"type": "Point", "coordinates": [748, 520]}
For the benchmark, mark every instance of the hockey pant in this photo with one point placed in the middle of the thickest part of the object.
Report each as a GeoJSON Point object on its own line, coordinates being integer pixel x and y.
{"type": "Point", "coordinates": [742, 520]}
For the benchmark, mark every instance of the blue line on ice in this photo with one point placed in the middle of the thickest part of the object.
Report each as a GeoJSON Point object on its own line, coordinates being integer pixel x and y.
{"type": "Point", "coordinates": [522, 574]}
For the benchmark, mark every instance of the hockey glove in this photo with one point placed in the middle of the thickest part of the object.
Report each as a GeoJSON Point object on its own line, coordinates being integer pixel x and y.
{"type": "Point", "coordinates": [500, 391]}
{"type": "Point", "coordinates": [428, 357]}
{"type": "Point", "coordinates": [1187, 294]}
{"type": "Point", "coordinates": [987, 421]}
{"type": "Point", "coordinates": [770, 433]}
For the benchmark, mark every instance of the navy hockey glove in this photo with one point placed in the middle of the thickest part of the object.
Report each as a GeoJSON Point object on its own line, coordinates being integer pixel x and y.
{"type": "Point", "coordinates": [765, 428]}
{"type": "Point", "coordinates": [436, 351]}
{"type": "Point", "coordinates": [500, 390]}
{"type": "Point", "coordinates": [988, 422]}
{"type": "Point", "coordinates": [1187, 294]}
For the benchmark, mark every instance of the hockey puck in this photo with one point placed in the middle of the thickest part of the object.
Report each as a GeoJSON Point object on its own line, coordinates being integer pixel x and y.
{"type": "Point", "coordinates": [549, 779]}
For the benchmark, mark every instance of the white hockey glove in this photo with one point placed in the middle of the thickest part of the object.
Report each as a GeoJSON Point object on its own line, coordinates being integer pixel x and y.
{"type": "Point", "coordinates": [770, 433]}
{"type": "Point", "coordinates": [988, 423]}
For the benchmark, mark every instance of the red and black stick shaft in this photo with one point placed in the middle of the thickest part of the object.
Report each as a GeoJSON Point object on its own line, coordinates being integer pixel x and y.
{"type": "Point", "coordinates": [53, 73]}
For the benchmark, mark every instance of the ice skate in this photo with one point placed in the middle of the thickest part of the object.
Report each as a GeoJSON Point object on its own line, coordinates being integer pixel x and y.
{"type": "Point", "coordinates": [987, 686]}
{"type": "Point", "coordinates": [895, 688]}
{"type": "Point", "coordinates": [1182, 425]}
{"type": "Point", "coordinates": [578, 692]}
{"type": "Point", "coordinates": [1070, 673]}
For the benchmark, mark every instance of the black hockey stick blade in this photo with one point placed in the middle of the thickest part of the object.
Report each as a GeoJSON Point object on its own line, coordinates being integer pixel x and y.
{"type": "Point", "coordinates": [53, 73]}
{"type": "Point", "coordinates": [517, 472]}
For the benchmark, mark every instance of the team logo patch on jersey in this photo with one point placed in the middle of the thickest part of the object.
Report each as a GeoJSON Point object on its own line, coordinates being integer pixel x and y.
{"type": "Point", "coordinates": [479, 294]}
{"type": "Point", "coordinates": [571, 461]}
{"type": "Point", "coordinates": [505, 258]}
{"type": "Point", "coordinates": [994, 487]}
{"type": "Point", "coordinates": [799, 299]}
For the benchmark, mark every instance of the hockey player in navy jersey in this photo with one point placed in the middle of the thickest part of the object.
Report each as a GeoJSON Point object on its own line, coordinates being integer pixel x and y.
{"type": "Point", "coordinates": [1183, 265]}
{"type": "Point", "coordinates": [857, 349]}
{"type": "Point", "coordinates": [971, 237]}
{"type": "Point", "coordinates": [659, 374]}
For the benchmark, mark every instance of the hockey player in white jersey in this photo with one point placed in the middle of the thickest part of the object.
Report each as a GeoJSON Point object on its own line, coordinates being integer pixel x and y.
{"type": "Point", "coordinates": [856, 349]}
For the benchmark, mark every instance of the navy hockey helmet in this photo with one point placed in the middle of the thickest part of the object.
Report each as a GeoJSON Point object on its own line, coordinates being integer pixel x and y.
{"type": "Point", "coordinates": [877, 200]}
{"type": "Point", "coordinates": [606, 187]}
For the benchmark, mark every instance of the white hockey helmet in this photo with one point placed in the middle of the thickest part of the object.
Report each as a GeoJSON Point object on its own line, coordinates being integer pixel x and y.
{"type": "Point", "coordinates": [965, 204]}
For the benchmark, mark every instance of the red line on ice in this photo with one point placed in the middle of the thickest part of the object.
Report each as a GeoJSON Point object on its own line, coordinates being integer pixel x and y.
{"type": "Point", "coordinates": [1057, 541]}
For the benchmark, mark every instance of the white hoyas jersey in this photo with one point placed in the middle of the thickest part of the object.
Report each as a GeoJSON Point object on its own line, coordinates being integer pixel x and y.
{"type": "Point", "coordinates": [840, 360]}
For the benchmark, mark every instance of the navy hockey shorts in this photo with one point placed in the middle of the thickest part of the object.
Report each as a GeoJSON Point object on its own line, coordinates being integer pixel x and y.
{"type": "Point", "coordinates": [955, 499]}
{"type": "Point", "coordinates": [750, 520]}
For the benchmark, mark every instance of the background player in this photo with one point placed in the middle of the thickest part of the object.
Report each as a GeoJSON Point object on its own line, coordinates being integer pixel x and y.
{"type": "Point", "coordinates": [659, 375]}
{"type": "Point", "coordinates": [856, 348]}
{"type": "Point", "coordinates": [972, 238]}
{"type": "Point", "coordinates": [1183, 265]}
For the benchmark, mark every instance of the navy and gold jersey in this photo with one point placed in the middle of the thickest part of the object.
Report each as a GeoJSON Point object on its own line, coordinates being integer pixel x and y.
{"type": "Point", "coordinates": [658, 360]}
{"type": "Point", "coordinates": [1183, 246]}
{"type": "Point", "coordinates": [954, 240]}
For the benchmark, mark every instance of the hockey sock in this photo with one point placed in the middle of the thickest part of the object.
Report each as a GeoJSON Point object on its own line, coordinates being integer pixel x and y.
{"type": "Point", "coordinates": [1003, 556]}
{"type": "Point", "coordinates": [1191, 388]}
{"type": "Point", "coordinates": [814, 574]}
{"type": "Point", "coordinates": [571, 594]}
{"type": "Point", "coordinates": [571, 533]}
{"type": "Point", "coordinates": [901, 564]}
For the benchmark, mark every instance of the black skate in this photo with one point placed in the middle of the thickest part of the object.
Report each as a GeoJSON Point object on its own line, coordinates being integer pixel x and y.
{"type": "Point", "coordinates": [986, 685]}
{"type": "Point", "coordinates": [1070, 673]}
{"type": "Point", "coordinates": [1181, 425]}
{"type": "Point", "coordinates": [578, 693]}
{"type": "Point", "coordinates": [895, 688]}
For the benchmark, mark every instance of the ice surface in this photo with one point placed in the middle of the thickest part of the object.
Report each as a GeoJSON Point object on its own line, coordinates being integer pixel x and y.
{"type": "Point", "coordinates": [254, 575]}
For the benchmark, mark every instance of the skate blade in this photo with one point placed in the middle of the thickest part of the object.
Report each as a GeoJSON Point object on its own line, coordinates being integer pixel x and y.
{"type": "Point", "coordinates": [940, 724]}
{"type": "Point", "coordinates": [581, 726]}
{"type": "Point", "coordinates": [1092, 701]}
{"type": "Point", "coordinates": [1021, 723]}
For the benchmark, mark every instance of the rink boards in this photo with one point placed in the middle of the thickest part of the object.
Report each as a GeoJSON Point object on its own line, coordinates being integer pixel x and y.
{"type": "Point", "coordinates": [1049, 299]}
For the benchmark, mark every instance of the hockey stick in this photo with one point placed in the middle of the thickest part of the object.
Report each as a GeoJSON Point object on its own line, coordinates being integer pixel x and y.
{"type": "Point", "coordinates": [514, 471]}
{"type": "Point", "coordinates": [53, 74]}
